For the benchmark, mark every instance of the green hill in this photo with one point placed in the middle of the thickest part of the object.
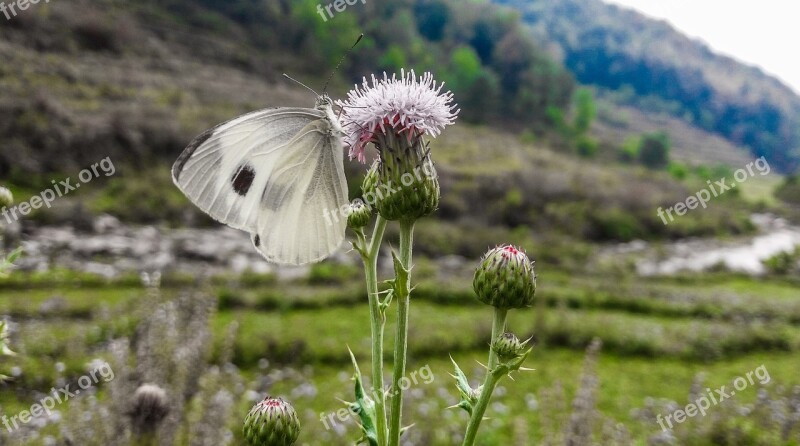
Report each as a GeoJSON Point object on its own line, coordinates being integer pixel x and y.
{"type": "Point", "coordinates": [135, 82]}
{"type": "Point", "coordinates": [653, 67]}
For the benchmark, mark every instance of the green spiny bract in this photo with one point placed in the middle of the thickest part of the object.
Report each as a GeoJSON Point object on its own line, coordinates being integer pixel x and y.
{"type": "Point", "coordinates": [407, 187]}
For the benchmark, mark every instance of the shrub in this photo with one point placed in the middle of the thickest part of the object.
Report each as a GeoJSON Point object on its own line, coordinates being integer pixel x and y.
{"type": "Point", "coordinates": [789, 190]}
{"type": "Point", "coordinates": [587, 146]}
{"type": "Point", "coordinates": [654, 150]}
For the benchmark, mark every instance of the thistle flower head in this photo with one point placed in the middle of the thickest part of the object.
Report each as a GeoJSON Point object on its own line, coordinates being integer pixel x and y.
{"type": "Point", "coordinates": [505, 278]}
{"type": "Point", "coordinates": [6, 198]}
{"type": "Point", "coordinates": [148, 409]}
{"type": "Point", "coordinates": [407, 105]}
{"type": "Point", "coordinates": [272, 422]}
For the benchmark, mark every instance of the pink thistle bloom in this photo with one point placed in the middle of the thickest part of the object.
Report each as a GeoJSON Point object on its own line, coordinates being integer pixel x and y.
{"type": "Point", "coordinates": [408, 105]}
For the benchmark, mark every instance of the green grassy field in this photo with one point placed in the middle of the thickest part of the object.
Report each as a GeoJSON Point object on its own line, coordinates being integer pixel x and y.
{"type": "Point", "coordinates": [658, 335]}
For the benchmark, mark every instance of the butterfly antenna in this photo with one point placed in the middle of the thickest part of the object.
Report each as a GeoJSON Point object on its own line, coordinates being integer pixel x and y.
{"type": "Point", "coordinates": [347, 53]}
{"type": "Point", "coordinates": [300, 83]}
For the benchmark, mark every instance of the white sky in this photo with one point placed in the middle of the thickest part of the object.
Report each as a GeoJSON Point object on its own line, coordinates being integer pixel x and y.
{"type": "Point", "coordinates": [763, 33]}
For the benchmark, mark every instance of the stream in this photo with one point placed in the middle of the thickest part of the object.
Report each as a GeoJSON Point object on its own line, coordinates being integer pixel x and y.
{"type": "Point", "coordinates": [744, 255]}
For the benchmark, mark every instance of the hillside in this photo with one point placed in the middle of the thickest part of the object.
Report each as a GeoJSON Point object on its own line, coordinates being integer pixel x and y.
{"type": "Point", "coordinates": [651, 66]}
{"type": "Point", "coordinates": [139, 79]}
{"type": "Point", "coordinates": [135, 82]}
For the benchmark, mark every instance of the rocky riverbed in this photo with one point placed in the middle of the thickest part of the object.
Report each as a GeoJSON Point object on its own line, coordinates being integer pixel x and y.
{"type": "Point", "coordinates": [109, 248]}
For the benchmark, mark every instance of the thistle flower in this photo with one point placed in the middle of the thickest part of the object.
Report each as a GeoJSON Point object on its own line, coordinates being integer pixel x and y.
{"type": "Point", "coordinates": [394, 115]}
{"type": "Point", "coordinates": [505, 278]}
{"type": "Point", "coordinates": [408, 105]}
{"type": "Point", "coordinates": [148, 409]}
{"type": "Point", "coordinates": [6, 198]}
{"type": "Point", "coordinates": [272, 422]}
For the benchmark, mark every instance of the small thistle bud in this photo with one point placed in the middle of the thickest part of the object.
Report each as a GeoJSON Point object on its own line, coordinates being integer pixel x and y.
{"type": "Point", "coordinates": [370, 183]}
{"type": "Point", "coordinates": [148, 409]}
{"type": "Point", "coordinates": [359, 215]}
{"type": "Point", "coordinates": [272, 422]}
{"type": "Point", "coordinates": [505, 278]}
{"type": "Point", "coordinates": [6, 198]}
{"type": "Point", "coordinates": [508, 347]}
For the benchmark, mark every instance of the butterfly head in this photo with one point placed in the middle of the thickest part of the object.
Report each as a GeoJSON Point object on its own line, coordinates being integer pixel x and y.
{"type": "Point", "coordinates": [324, 102]}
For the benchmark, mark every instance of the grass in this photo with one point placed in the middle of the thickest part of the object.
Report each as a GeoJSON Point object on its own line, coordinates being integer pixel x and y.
{"type": "Point", "coordinates": [658, 335]}
{"type": "Point", "coordinates": [625, 384]}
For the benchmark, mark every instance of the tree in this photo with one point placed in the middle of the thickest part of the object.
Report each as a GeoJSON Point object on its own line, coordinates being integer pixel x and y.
{"type": "Point", "coordinates": [654, 150]}
{"type": "Point", "coordinates": [394, 59]}
{"type": "Point", "coordinates": [789, 191]}
{"type": "Point", "coordinates": [465, 68]}
{"type": "Point", "coordinates": [432, 17]}
{"type": "Point", "coordinates": [585, 110]}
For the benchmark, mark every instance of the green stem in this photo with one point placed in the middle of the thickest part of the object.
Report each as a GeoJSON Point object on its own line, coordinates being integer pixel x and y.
{"type": "Point", "coordinates": [492, 377]}
{"type": "Point", "coordinates": [498, 328]}
{"type": "Point", "coordinates": [377, 323]}
{"type": "Point", "coordinates": [403, 293]}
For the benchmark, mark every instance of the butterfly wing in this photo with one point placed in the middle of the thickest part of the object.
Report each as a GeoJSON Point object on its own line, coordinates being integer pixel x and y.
{"type": "Point", "coordinates": [225, 169]}
{"type": "Point", "coordinates": [300, 220]}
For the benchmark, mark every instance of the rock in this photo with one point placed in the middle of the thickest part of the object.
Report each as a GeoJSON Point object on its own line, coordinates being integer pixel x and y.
{"type": "Point", "coordinates": [106, 224]}
{"type": "Point", "coordinates": [53, 305]}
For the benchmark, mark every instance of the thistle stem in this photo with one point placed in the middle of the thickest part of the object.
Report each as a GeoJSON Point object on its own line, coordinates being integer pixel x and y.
{"type": "Point", "coordinates": [498, 328]}
{"type": "Point", "coordinates": [377, 323]}
{"type": "Point", "coordinates": [403, 293]}
{"type": "Point", "coordinates": [492, 377]}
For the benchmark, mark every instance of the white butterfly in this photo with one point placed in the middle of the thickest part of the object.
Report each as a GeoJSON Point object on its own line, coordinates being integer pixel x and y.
{"type": "Point", "coordinates": [272, 173]}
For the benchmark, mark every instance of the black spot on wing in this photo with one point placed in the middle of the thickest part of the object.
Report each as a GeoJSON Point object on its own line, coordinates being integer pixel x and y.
{"type": "Point", "coordinates": [187, 153]}
{"type": "Point", "coordinates": [257, 241]}
{"type": "Point", "coordinates": [243, 179]}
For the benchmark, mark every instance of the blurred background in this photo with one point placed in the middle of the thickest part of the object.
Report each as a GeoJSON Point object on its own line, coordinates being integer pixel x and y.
{"type": "Point", "coordinates": [579, 120]}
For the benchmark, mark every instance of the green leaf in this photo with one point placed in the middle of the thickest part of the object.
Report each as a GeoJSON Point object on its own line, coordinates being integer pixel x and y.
{"type": "Point", "coordinates": [468, 399]}
{"type": "Point", "coordinates": [14, 255]}
{"type": "Point", "coordinates": [401, 279]}
{"type": "Point", "coordinates": [364, 407]}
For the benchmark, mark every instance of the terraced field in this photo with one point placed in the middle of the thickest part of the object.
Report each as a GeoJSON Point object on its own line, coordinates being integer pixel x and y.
{"type": "Point", "coordinates": [291, 339]}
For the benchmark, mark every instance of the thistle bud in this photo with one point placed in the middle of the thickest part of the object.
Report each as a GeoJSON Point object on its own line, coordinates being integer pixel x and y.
{"type": "Point", "coordinates": [272, 422]}
{"type": "Point", "coordinates": [6, 198]}
{"type": "Point", "coordinates": [148, 409]}
{"type": "Point", "coordinates": [359, 215]}
{"type": "Point", "coordinates": [505, 278]}
{"type": "Point", "coordinates": [370, 184]}
{"type": "Point", "coordinates": [507, 347]}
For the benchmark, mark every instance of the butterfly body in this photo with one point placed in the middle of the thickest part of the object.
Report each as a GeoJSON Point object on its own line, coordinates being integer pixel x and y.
{"type": "Point", "coordinates": [273, 173]}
